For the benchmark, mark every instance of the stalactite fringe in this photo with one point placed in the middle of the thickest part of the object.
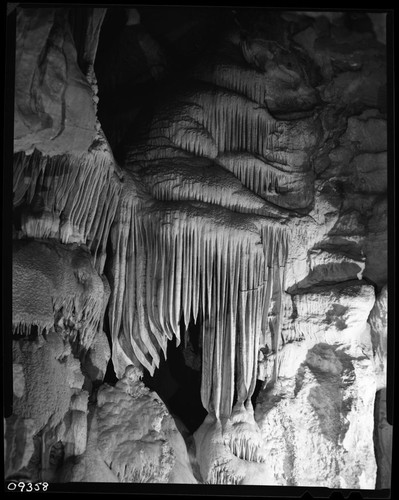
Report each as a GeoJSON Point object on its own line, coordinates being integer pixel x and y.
{"type": "Point", "coordinates": [75, 197]}
{"type": "Point", "coordinates": [177, 260]}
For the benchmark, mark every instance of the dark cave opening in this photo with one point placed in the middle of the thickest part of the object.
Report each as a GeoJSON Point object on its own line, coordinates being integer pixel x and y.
{"type": "Point", "coordinates": [27, 332]}
{"type": "Point", "coordinates": [178, 379]}
{"type": "Point", "coordinates": [143, 54]}
{"type": "Point", "coordinates": [258, 387]}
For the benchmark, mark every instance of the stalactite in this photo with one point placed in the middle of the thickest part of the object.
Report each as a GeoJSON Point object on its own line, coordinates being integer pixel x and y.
{"type": "Point", "coordinates": [142, 152]}
{"type": "Point", "coordinates": [187, 257]}
{"type": "Point", "coordinates": [209, 239]}
{"type": "Point", "coordinates": [221, 475]}
{"type": "Point", "coordinates": [210, 121]}
{"type": "Point", "coordinates": [23, 329]}
{"type": "Point", "coordinates": [258, 175]}
{"type": "Point", "coordinates": [234, 76]}
{"type": "Point", "coordinates": [56, 286]}
{"type": "Point", "coordinates": [246, 450]}
{"type": "Point", "coordinates": [82, 313]}
{"type": "Point", "coordinates": [78, 197]}
{"type": "Point", "coordinates": [203, 180]}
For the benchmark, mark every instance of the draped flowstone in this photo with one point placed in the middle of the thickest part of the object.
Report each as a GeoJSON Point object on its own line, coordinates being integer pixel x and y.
{"type": "Point", "coordinates": [177, 260]}
{"type": "Point", "coordinates": [72, 198]}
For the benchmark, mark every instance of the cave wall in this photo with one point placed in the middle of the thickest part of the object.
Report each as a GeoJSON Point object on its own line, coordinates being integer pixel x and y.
{"type": "Point", "coordinates": [225, 168]}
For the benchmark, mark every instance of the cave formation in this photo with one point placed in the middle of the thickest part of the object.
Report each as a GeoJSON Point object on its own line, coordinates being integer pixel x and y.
{"type": "Point", "coordinates": [199, 247]}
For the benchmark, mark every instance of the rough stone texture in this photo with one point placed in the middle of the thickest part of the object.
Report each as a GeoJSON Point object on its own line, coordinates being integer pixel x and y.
{"type": "Point", "coordinates": [70, 293]}
{"type": "Point", "coordinates": [376, 245]}
{"type": "Point", "coordinates": [317, 420]}
{"type": "Point", "coordinates": [317, 424]}
{"type": "Point", "coordinates": [52, 327]}
{"type": "Point", "coordinates": [379, 331]}
{"type": "Point", "coordinates": [370, 172]}
{"type": "Point", "coordinates": [96, 358]}
{"type": "Point", "coordinates": [384, 442]}
{"type": "Point", "coordinates": [327, 311]}
{"type": "Point", "coordinates": [70, 197]}
{"type": "Point", "coordinates": [52, 376]}
{"type": "Point", "coordinates": [137, 437]}
{"type": "Point", "coordinates": [18, 444]}
{"type": "Point", "coordinates": [54, 110]}
{"type": "Point", "coordinates": [90, 466]}
{"type": "Point", "coordinates": [53, 380]}
{"type": "Point", "coordinates": [231, 452]}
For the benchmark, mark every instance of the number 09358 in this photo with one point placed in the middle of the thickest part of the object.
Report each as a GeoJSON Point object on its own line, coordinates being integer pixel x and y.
{"type": "Point", "coordinates": [25, 486]}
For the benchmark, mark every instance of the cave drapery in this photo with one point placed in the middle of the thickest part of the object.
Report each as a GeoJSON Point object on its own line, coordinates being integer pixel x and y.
{"type": "Point", "coordinates": [224, 168]}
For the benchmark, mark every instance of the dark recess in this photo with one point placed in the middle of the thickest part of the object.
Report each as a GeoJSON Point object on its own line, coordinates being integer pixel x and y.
{"type": "Point", "coordinates": [178, 385]}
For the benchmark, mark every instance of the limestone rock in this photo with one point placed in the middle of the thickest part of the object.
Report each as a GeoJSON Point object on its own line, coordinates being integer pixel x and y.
{"type": "Point", "coordinates": [53, 101]}
{"type": "Point", "coordinates": [18, 444]}
{"type": "Point", "coordinates": [75, 439]}
{"type": "Point", "coordinates": [317, 424]}
{"type": "Point", "coordinates": [230, 451]}
{"type": "Point", "coordinates": [50, 382]}
{"type": "Point", "coordinates": [96, 359]}
{"type": "Point", "coordinates": [18, 380]}
{"type": "Point", "coordinates": [331, 313]}
{"type": "Point", "coordinates": [379, 330]}
{"type": "Point", "coordinates": [366, 133]}
{"type": "Point", "coordinates": [326, 265]}
{"type": "Point", "coordinates": [376, 245]}
{"type": "Point", "coordinates": [326, 357]}
{"type": "Point", "coordinates": [370, 172]}
{"type": "Point", "coordinates": [361, 89]}
{"type": "Point", "coordinates": [182, 472]}
{"type": "Point", "coordinates": [134, 430]}
{"type": "Point", "coordinates": [90, 465]}
{"type": "Point", "coordinates": [56, 200]}
{"type": "Point", "coordinates": [384, 442]}
{"type": "Point", "coordinates": [71, 292]}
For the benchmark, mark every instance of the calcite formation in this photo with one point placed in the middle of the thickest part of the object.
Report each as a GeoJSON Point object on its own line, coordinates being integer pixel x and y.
{"type": "Point", "coordinates": [218, 201]}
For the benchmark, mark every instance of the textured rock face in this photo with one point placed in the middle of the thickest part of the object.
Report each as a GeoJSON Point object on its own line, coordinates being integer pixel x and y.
{"type": "Point", "coordinates": [53, 328]}
{"type": "Point", "coordinates": [53, 101]}
{"type": "Point", "coordinates": [70, 291]}
{"type": "Point", "coordinates": [245, 218]}
{"type": "Point", "coordinates": [50, 407]}
{"type": "Point", "coordinates": [71, 198]}
{"type": "Point", "coordinates": [133, 435]}
{"type": "Point", "coordinates": [324, 398]}
{"type": "Point", "coordinates": [318, 425]}
{"type": "Point", "coordinates": [379, 330]}
{"type": "Point", "coordinates": [231, 451]}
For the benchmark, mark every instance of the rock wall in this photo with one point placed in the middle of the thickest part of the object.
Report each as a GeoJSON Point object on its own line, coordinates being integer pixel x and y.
{"type": "Point", "coordinates": [226, 194]}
